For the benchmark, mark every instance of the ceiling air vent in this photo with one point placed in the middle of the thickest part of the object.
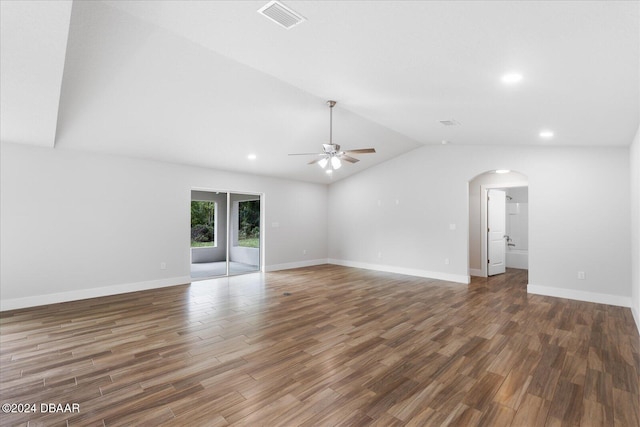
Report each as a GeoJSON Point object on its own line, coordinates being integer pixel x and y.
{"type": "Point", "coordinates": [449, 122]}
{"type": "Point", "coordinates": [281, 14]}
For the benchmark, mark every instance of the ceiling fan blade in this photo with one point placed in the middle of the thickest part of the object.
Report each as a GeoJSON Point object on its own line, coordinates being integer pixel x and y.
{"type": "Point", "coordinates": [361, 150]}
{"type": "Point", "coordinates": [313, 162]}
{"type": "Point", "coordinates": [348, 158]}
{"type": "Point", "coordinates": [307, 154]}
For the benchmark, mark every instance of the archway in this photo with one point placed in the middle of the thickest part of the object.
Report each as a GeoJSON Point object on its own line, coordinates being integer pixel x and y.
{"type": "Point", "coordinates": [478, 187]}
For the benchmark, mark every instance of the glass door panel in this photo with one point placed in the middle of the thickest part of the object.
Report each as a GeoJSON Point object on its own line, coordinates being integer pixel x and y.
{"type": "Point", "coordinates": [244, 233]}
{"type": "Point", "coordinates": [208, 234]}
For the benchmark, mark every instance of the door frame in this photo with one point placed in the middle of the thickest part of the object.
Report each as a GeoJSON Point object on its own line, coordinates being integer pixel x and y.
{"type": "Point", "coordinates": [231, 223]}
{"type": "Point", "coordinates": [261, 197]}
{"type": "Point", "coordinates": [484, 189]}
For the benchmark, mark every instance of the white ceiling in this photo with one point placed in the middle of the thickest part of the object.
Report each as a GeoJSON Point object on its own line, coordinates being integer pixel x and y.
{"type": "Point", "coordinates": [208, 82]}
{"type": "Point", "coordinates": [33, 37]}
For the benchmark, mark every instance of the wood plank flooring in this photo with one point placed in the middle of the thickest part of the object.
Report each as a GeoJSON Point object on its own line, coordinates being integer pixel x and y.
{"type": "Point", "coordinates": [347, 347]}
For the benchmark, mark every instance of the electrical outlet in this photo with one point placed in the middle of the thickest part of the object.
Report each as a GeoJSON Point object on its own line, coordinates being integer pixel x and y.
{"type": "Point", "coordinates": [163, 265]}
{"type": "Point", "coordinates": [581, 275]}
{"type": "Point", "coordinates": [304, 252]}
{"type": "Point", "coordinates": [379, 254]}
{"type": "Point", "coordinates": [446, 261]}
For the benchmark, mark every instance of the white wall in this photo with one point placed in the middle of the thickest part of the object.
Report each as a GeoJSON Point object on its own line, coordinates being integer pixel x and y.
{"type": "Point", "coordinates": [518, 194]}
{"type": "Point", "coordinates": [578, 216]}
{"type": "Point", "coordinates": [518, 218]}
{"type": "Point", "coordinates": [634, 154]}
{"type": "Point", "coordinates": [76, 225]}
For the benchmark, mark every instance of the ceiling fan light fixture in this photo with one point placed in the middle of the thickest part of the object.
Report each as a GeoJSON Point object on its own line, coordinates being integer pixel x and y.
{"type": "Point", "coordinates": [512, 78]}
{"type": "Point", "coordinates": [336, 163]}
{"type": "Point", "coordinates": [323, 163]}
{"type": "Point", "coordinates": [546, 134]}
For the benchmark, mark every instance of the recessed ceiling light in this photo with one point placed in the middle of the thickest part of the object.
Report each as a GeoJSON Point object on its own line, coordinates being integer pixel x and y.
{"type": "Point", "coordinates": [252, 157]}
{"type": "Point", "coordinates": [546, 134]}
{"type": "Point", "coordinates": [502, 171]}
{"type": "Point", "coordinates": [511, 78]}
{"type": "Point", "coordinates": [445, 142]}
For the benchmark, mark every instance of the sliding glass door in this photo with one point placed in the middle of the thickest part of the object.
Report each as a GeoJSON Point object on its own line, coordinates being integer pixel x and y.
{"type": "Point", "coordinates": [244, 233]}
{"type": "Point", "coordinates": [225, 233]}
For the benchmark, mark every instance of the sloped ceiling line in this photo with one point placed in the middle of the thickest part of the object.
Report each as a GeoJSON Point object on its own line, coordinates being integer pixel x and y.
{"type": "Point", "coordinates": [32, 56]}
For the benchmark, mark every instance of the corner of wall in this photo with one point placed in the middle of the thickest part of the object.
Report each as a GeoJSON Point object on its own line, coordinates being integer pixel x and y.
{"type": "Point", "coordinates": [476, 272]}
{"type": "Point", "coordinates": [634, 167]}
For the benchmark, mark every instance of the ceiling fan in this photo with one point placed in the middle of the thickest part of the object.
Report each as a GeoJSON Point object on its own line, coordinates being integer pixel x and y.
{"type": "Point", "coordinates": [331, 153]}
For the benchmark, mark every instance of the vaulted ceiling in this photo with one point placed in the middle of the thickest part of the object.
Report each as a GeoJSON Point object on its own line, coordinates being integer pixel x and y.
{"type": "Point", "coordinates": [207, 83]}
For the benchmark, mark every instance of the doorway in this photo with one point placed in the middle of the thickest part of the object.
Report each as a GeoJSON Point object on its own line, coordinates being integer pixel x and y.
{"type": "Point", "coordinates": [515, 185]}
{"type": "Point", "coordinates": [225, 233]}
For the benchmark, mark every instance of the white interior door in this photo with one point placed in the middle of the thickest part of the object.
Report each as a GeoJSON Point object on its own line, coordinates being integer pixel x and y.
{"type": "Point", "coordinates": [496, 230]}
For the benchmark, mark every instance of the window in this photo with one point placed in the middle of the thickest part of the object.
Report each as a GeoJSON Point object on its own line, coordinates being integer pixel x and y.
{"type": "Point", "coordinates": [203, 223]}
{"type": "Point", "coordinates": [249, 223]}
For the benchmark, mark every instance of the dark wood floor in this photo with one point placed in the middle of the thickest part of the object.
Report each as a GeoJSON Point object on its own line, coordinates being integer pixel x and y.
{"type": "Point", "coordinates": [346, 347]}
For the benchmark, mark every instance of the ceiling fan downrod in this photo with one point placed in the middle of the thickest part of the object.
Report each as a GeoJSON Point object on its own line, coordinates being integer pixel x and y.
{"type": "Point", "coordinates": [331, 104]}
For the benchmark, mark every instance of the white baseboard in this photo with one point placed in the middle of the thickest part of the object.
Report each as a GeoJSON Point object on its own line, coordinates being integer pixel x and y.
{"type": "Point", "coordinates": [476, 272]}
{"type": "Point", "coordinates": [458, 278]}
{"type": "Point", "coordinates": [34, 301]}
{"type": "Point", "coordinates": [297, 264]}
{"type": "Point", "coordinates": [608, 299]}
{"type": "Point", "coordinates": [636, 317]}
